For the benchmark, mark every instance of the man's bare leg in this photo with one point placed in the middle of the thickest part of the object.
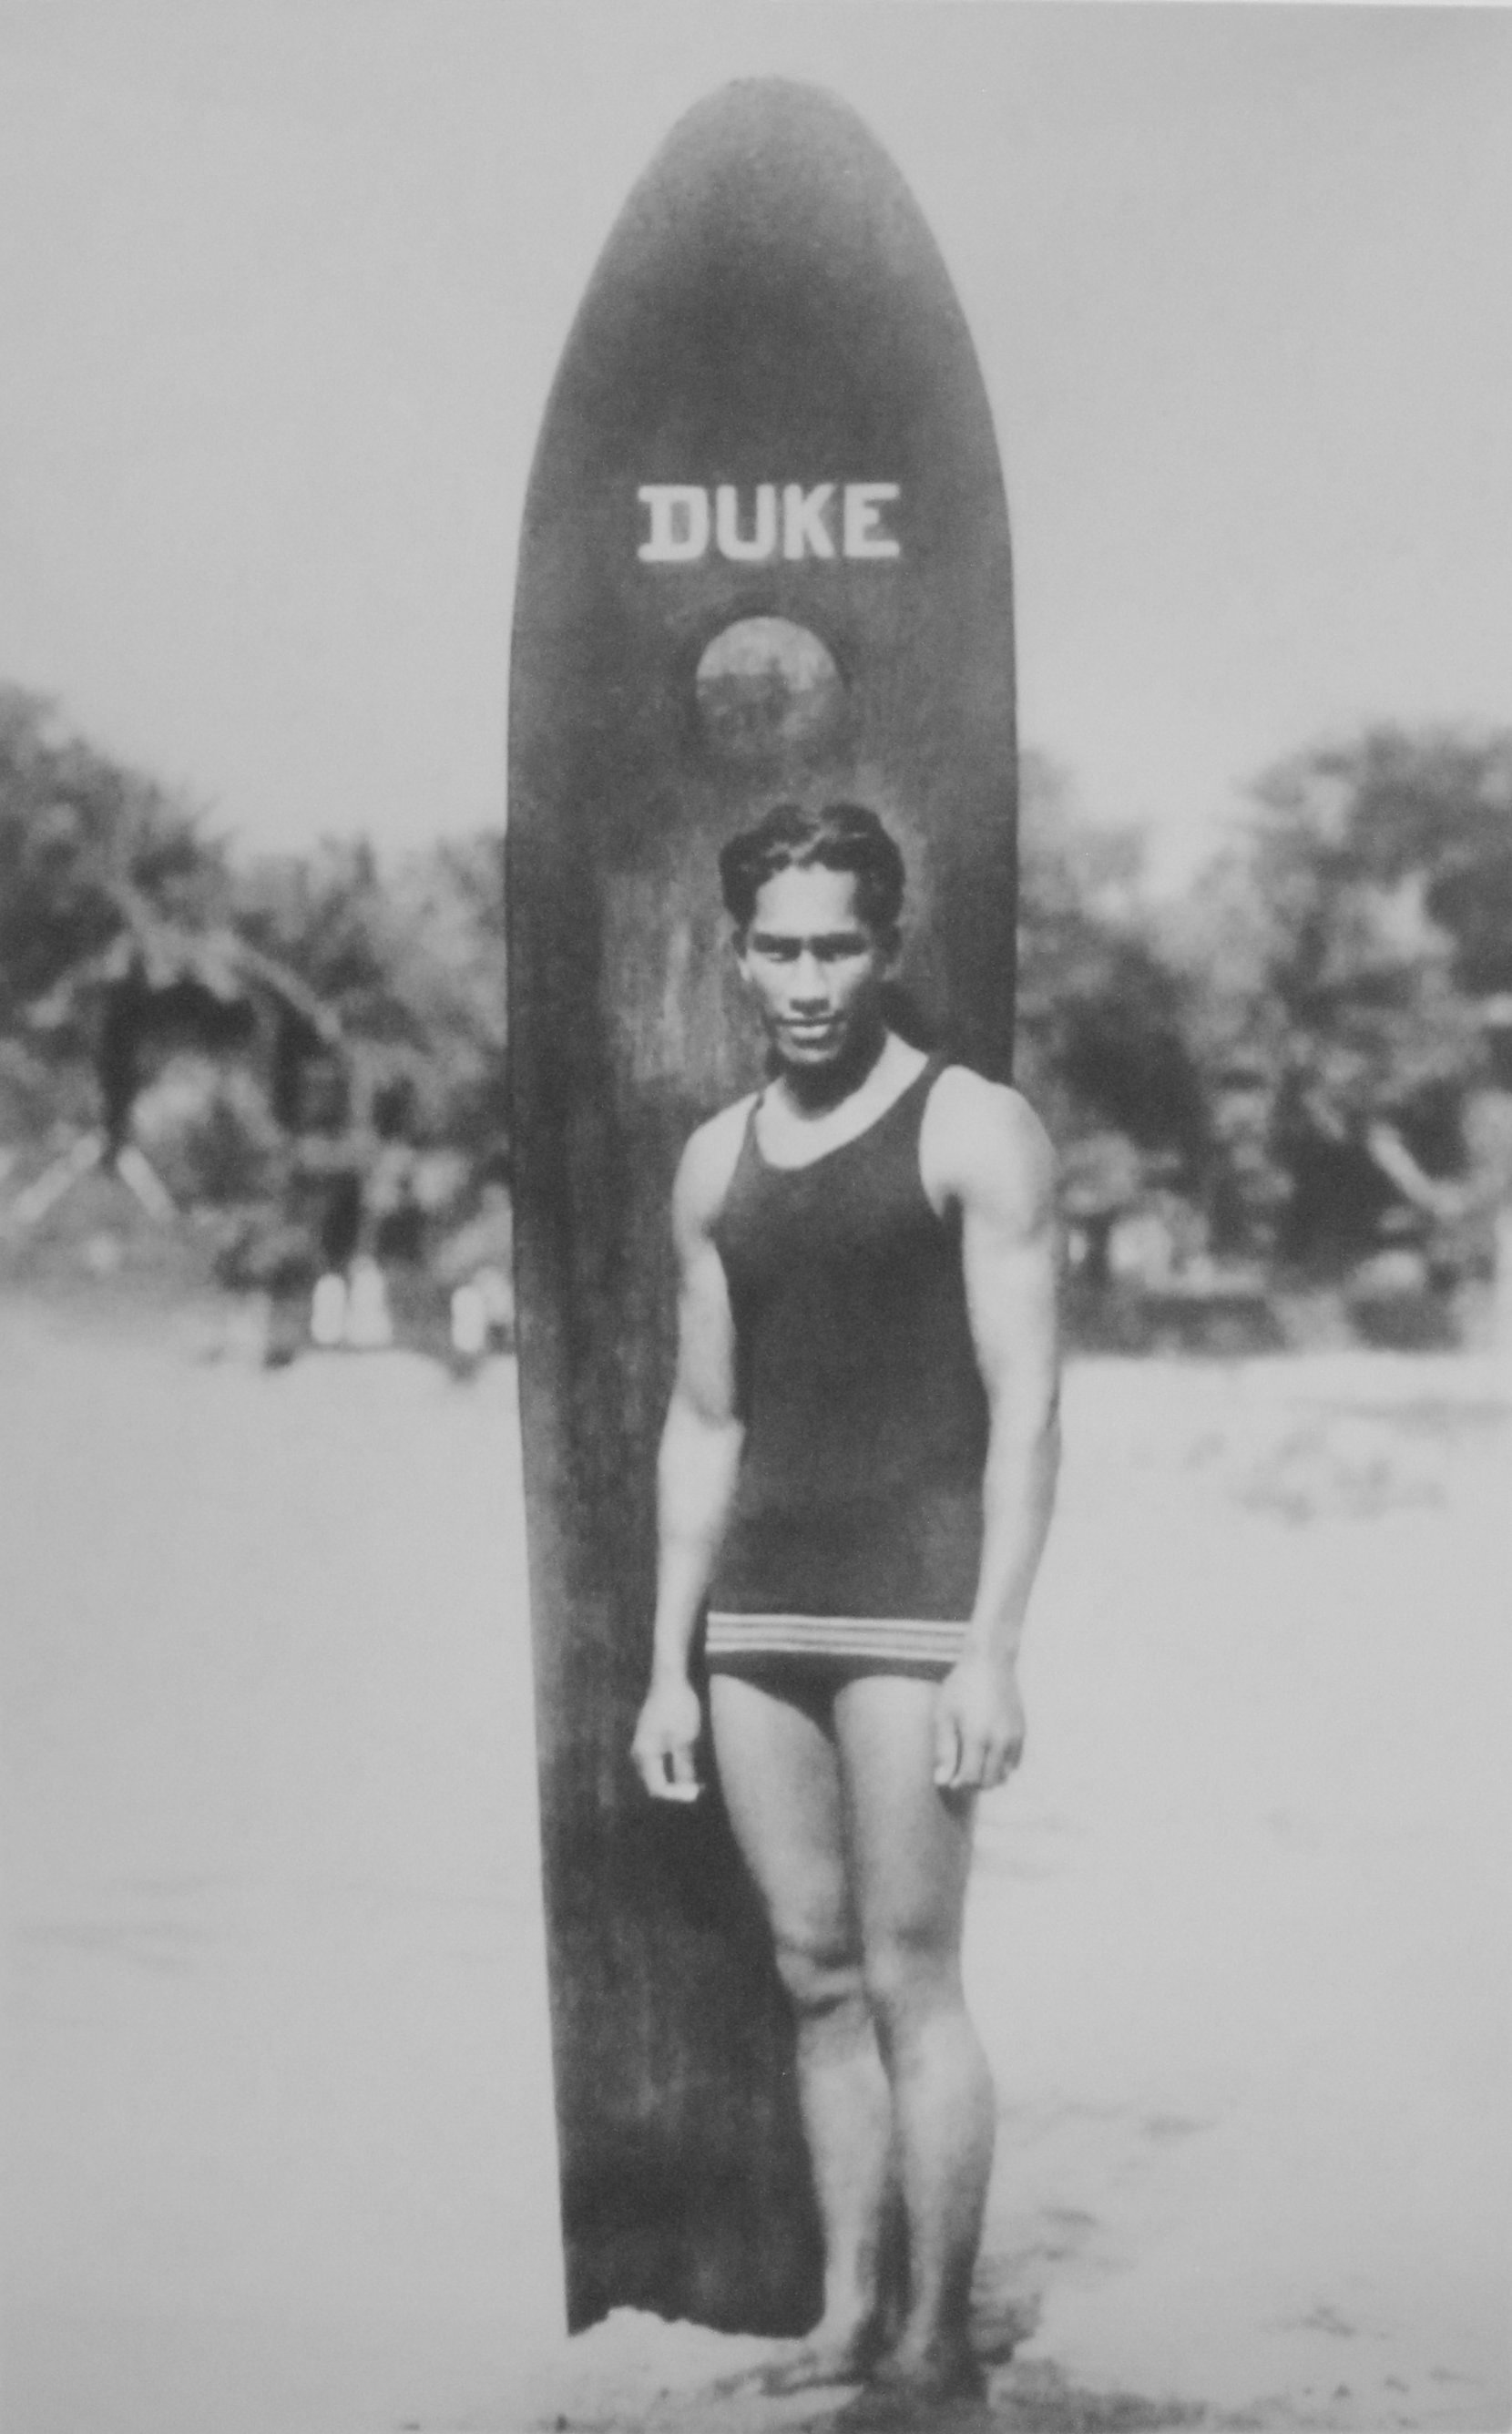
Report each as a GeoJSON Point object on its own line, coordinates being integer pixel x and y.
{"type": "Point", "coordinates": [779, 1771]}
{"type": "Point", "coordinates": [910, 1851]}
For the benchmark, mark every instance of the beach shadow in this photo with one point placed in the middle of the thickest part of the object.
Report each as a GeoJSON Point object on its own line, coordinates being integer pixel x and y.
{"type": "Point", "coordinates": [1033, 2398]}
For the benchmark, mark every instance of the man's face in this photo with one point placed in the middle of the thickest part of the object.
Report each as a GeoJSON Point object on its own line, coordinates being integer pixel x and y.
{"type": "Point", "coordinates": [816, 967]}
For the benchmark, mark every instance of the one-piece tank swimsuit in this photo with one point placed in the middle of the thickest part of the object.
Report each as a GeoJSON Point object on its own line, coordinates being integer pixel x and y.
{"type": "Point", "coordinates": [855, 1533]}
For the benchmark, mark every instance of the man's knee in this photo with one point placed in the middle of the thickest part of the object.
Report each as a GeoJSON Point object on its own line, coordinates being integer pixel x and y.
{"type": "Point", "coordinates": [819, 1971]}
{"type": "Point", "coordinates": [910, 1971]}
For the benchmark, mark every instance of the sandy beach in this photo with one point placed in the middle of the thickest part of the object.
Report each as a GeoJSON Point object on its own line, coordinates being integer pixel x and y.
{"type": "Point", "coordinates": [281, 2148]}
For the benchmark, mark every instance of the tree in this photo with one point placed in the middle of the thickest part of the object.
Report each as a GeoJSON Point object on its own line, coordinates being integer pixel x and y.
{"type": "Point", "coordinates": [83, 839]}
{"type": "Point", "coordinates": [1343, 947]}
{"type": "Point", "coordinates": [1103, 1012]}
{"type": "Point", "coordinates": [411, 961]}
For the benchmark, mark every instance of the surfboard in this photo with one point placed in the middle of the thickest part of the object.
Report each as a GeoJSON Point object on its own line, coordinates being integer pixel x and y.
{"type": "Point", "coordinates": [765, 557]}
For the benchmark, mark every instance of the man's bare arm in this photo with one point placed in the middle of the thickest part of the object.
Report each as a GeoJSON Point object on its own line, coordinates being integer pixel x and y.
{"type": "Point", "coordinates": [995, 1158]}
{"type": "Point", "coordinates": [696, 1466]}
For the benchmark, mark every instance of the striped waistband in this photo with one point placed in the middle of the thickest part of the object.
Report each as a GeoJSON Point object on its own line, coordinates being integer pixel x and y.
{"type": "Point", "coordinates": [861, 1639]}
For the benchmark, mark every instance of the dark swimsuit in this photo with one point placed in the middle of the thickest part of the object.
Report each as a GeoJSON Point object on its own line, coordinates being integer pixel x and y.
{"type": "Point", "coordinates": [856, 1528]}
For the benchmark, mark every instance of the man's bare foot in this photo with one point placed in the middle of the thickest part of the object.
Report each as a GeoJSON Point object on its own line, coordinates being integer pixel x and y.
{"type": "Point", "coordinates": [936, 2392]}
{"type": "Point", "coordinates": [831, 2354]}
{"type": "Point", "coordinates": [945, 2370]}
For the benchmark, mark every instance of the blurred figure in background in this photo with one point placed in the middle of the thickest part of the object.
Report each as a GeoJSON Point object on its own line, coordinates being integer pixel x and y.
{"type": "Point", "coordinates": [476, 1263]}
{"type": "Point", "coordinates": [302, 1265]}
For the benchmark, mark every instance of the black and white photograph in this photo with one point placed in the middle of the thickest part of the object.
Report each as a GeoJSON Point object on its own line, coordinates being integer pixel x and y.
{"type": "Point", "coordinates": [755, 1217]}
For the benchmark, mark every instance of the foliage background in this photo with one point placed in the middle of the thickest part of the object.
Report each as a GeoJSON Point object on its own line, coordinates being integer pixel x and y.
{"type": "Point", "coordinates": [1262, 1060]}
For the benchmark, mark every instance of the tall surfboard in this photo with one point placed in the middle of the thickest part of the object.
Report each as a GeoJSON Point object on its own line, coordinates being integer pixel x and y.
{"type": "Point", "coordinates": [765, 558]}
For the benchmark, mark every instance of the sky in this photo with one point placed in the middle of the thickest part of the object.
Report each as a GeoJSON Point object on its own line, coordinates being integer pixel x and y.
{"type": "Point", "coordinates": [282, 291]}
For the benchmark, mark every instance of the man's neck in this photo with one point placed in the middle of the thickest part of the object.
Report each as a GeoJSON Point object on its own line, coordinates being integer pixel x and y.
{"type": "Point", "coordinates": [818, 1090]}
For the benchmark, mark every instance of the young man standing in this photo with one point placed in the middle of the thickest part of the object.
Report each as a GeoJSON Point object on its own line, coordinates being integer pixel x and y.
{"type": "Point", "coordinates": [855, 1478]}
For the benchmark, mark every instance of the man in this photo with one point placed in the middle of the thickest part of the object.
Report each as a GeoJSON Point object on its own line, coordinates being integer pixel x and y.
{"type": "Point", "coordinates": [856, 1476]}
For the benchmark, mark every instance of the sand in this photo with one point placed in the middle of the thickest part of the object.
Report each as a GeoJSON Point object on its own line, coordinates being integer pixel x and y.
{"type": "Point", "coordinates": [280, 2132]}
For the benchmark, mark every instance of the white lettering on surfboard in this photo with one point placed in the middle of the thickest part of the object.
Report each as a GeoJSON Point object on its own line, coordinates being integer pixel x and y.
{"type": "Point", "coordinates": [796, 521]}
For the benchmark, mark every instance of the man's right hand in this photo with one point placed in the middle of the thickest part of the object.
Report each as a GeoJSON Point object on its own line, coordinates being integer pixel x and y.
{"type": "Point", "coordinates": [665, 1738]}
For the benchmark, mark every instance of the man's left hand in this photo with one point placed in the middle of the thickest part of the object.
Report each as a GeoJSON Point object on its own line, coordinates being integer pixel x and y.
{"type": "Point", "coordinates": [978, 1726]}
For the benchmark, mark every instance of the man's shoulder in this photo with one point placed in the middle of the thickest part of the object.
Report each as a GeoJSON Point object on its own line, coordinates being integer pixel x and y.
{"type": "Point", "coordinates": [984, 1138]}
{"type": "Point", "coordinates": [966, 1102]}
{"type": "Point", "coordinates": [707, 1164]}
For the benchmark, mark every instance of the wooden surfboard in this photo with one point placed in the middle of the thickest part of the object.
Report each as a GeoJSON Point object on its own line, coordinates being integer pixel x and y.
{"type": "Point", "coordinates": [765, 557]}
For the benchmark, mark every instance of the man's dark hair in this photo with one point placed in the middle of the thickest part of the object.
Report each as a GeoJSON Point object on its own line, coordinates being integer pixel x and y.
{"type": "Point", "coordinates": [844, 837]}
